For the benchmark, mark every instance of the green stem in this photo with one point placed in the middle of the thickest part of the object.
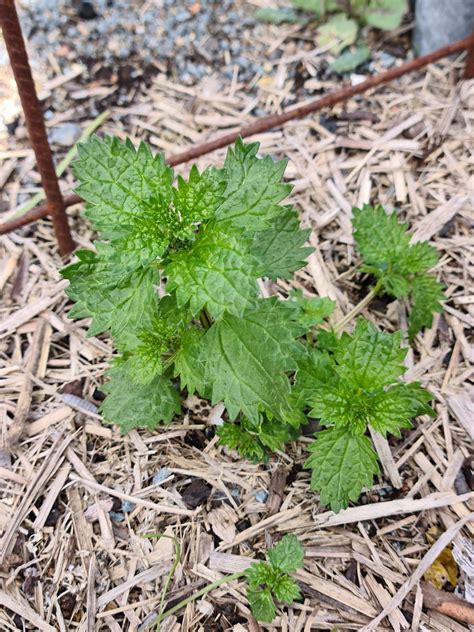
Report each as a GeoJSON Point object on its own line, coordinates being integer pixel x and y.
{"type": "Point", "coordinates": [205, 318]}
{"type": "Point", "coordinates": [196, 595]}
{"type": "Point", "coordinates": [339, 326]}
{"type": "Point", "coordinates": [177, 556]}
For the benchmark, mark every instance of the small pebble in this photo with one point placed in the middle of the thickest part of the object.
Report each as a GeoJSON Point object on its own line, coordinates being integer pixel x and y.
{"type": "Point", "coordinates": [387, 60]}
{"type": "Point", "coordinates": [161, 475]}
{"type": "Point", "coordinates": [128, 506]}
{"type": "Point", "coordinates": [65, 134]}
{"type": "Point", "coordinates": [261, 496]}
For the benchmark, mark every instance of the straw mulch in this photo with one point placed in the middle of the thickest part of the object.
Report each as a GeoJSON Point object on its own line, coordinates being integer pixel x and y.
{"type": "Point", "coordinates": [77, 499]}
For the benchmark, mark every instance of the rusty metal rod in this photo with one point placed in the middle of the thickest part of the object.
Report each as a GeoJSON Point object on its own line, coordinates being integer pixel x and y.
{"type": "Point", "coordinates": [268, 122]}
{"type": "Point", "coordinates": [35, 123]}
{"type": "Point", "coordinates": [469, 67]}
{"type": "Point", "coordinates": [276, 120]}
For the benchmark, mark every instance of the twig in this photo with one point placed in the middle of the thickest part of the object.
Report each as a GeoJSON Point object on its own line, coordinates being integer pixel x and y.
{"type": "Point", "coordinates": [447, 603]}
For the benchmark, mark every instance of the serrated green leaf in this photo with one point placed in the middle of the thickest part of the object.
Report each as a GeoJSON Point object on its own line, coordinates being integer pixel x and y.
{"type": "Point", "coordinates": [273, 433]}
{"type": "Point", "coordinates": [368, 357]}
{"type": "Point", "coordinates": [189, 363]}
{"type": "Point", "coordinates": [380, 239]}
{"type": "Point", "coordinates": [253, 439]}
{"type": "Point", "coordinates": [199, 197]}
{"type": "Point", "coordinates": [385, 14]}
{"type": "Point", "coordinates": [234, 436]}
{"type": "Point", "coordinates": [280, 251]}
{"type": "Point", "coordinates": [342, 404]}
{"type": "Point", "coordinates": [129, 194]}
{"type": "Point", "coordinates": [393, 409]}
{"type": "Point", "coordinates": [254, 188]}
{"type": "Point", "coordinates": [145, 360]}
{"type": "Point", "coordinates": [260, 574]}
{"type": "Point", "coordinates": [287, 555]}
{"type": "Point", "coordinates": [350, 59]}
{"type": "Point", "coordinates": [426, 296]}
{"type": "Point", "coordinates": [342, 464]}
{"type": "Point", "coordinates": [117, 300]}
{"type": "Point", "coordinates": [419, 258]}
{"type": "Point", "coordinates": [314, 367]}
{"type": "Point", "coordinates": [312, 311]}
{"type": "Point", "coordinates": [216, 273]}
{"type": "Point", "coordinates": [402, 267]}
{"type": "Point", "coordinates": [262, 604]}
{"type": "Point", "coordinates": [362, 389]}
{"type": "Point", "coordinates": [131, 406]}
{"type": "Point", "coordinates": [286, 590]}
{"type": "Point", "coordinates": [248, 357]}
{"type": "Point", "coordinates": [338, 32]}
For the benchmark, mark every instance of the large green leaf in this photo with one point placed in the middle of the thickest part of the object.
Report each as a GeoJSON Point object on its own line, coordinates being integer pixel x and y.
{"type": "Point", "coordinates": [216, 273]}
{"type": "Point", "coordinates": [342, 464]}
{"type": "Point", "coordinates": [254, 188]}
{"type": "Point", "coordinates": [280, 251]}
{"type": "Point", "coordinates": [120, 301]}
{"type": "Point", "coordinates": [248, 358]}
{"type": "Point", "coordinates": [131, 406]}
{"type": "Point", "coordinates": [128, 194]}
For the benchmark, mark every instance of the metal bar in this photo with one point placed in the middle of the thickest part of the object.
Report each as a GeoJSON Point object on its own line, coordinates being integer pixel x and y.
{"type": "Point", "coordinates": [469, 67]}
{"type": "Point", "coordinates": [35, 123]}
{"type": "Point", "coordinates": [269, 122]}
{"type": "Point", "coordinates": [276, 120]}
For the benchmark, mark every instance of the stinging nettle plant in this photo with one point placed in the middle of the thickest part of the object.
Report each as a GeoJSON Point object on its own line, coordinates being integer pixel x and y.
{"type": "Point", "coordinates": [174, 279]}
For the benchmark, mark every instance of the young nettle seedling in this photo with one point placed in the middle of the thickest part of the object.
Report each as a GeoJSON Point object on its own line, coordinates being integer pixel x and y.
{"type": "Point", "coordinates": [401, 268]}
{"type": "Point", "coordinates": [270, 581]}
{"type": "Point", "coordinates": [174, 279]}
{"type": "Point", "coordinates": [266, 581]}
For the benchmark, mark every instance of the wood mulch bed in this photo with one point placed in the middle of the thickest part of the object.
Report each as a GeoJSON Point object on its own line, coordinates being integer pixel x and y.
{"type": "Point", "coordinates": [77, 499]}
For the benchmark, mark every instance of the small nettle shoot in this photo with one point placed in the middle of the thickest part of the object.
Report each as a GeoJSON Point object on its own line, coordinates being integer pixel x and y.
{"type": "Point", "coordinates": [174, 279]}
{"type": "Point", "coordinates": [270, 581]}
{"type": "Point", "coordinates": [401, 268]}
{"type": "Point", "coordinates": [267, 581]}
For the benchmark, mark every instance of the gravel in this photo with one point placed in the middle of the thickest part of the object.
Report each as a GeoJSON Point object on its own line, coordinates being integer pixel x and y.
{"type": "Point", "coordinates": [189, 38]}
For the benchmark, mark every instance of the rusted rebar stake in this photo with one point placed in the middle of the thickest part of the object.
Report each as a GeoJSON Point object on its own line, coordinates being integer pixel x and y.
{"type": "Point", "coordinates": [35, 123]}
{"type": "Point", "coordinates": [469, 67]}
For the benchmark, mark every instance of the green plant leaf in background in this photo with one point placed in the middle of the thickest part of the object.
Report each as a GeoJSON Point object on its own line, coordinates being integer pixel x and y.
{"type": "Point", "coordinates": [351, 58]}
{"type": "Point", "coordinates": [279, 16]}
{"type": "Point", "coordinates": [385, 14]}
{"type": "Point", "coordinates": [339, 32]}
{"type": "Point", "coordinates": [319, 7]}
